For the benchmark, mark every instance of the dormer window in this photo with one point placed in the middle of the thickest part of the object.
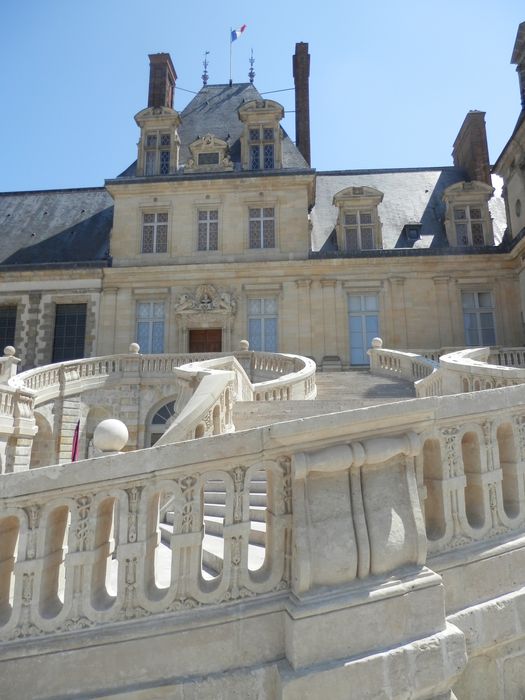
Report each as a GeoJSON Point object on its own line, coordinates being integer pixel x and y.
{"type": "Point", "coordinates": [262, 148]}
{"type": "Point", "coordinates": [359, 230]}
{"type": "Point", "coordinates": [157, 154]}
{"type": "Point", "coordinates": [467, 220]}
{"type": "Point", "coordinates": [261, 138]}
{"type": "Point", "coordinates": [159, 142]}
{"type": "Point", "coordinates": [358, 223]}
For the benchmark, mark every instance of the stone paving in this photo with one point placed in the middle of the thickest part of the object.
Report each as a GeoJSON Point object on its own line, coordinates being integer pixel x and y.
{"type": "Point", "coordinates": [336, 391]}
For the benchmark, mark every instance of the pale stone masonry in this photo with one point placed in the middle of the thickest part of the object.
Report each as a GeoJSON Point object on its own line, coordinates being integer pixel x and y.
{"type": "Point", "coordinates": [377, 551]}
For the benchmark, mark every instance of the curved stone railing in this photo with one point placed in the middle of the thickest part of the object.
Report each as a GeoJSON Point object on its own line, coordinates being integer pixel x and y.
{"type": "Point", "coordinates": [78, 375]}
{"type": "Point", "coordinates": [469, 370]}
{"type": "Point", "coordinates": [456, 372]}
{"type": "Point", "coordinates": [367, 499]}
{"type": "Point", "coordinates": [405, 365]}
{"type": "Point", "coordinates": [206, 402]}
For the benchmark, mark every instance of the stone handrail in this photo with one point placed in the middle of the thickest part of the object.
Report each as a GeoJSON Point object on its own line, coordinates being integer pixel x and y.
{"type": "Point", "coordinates": [508, 357]}
{"type": "Point", "coordinates": [405, 365]}
{"type": "Point", "coordinates": [460, 464]}
{"type": "Point", "coordinates": [77, 375]}
{"type": "Point", "coordinates": [206, 400]}
{"type": "Point", "coordinates": [469, 370]}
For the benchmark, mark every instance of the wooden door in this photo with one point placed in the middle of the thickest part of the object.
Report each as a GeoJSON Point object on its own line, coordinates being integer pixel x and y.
{"type": "Point", "coordinates": [206, 340]}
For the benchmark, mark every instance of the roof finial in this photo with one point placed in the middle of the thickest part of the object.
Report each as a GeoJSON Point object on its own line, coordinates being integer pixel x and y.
{"type": "Point", "coordinates": [251, 72]}
{"type": "Point", "coordinates": [205, 63]}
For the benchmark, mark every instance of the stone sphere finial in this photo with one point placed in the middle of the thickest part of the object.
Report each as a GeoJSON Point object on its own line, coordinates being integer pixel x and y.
{"type": "Point", "coordinates": [9, 351]}
{"type": "Point", "coordinates": [377, 343]}
{"type": "Point", "coordinates": [110, 435]}
{"type": "Point", "coordinates": [134, 348]}
{"type": "Point", "coordinates": [244, 345]}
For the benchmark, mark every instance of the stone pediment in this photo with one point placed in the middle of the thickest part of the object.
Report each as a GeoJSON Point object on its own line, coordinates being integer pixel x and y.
{"type": "Point", "coordinates": [206, 300]}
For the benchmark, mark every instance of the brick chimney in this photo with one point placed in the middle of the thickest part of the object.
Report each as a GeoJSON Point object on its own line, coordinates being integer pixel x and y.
{"type": "Point", "coordinates": [162, 79]}
{"type": "Point", "coordinates": [518, 59]}
{"type": "Point", "coordinates": [470, 150]}
{"type": "Point", "coordinates": [301, 74]}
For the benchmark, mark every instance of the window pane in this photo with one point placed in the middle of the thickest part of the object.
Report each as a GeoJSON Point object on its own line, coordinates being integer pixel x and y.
{"type": "Point", "coordinates": [270, 306]}
{"type": "Point", "coordinates": [254, 134]}
{"type": "Point", "coordinates": [268, 134]}
{"type": "Point", "coordinates": [366, 218]}
{"type": "Point", "coordinates": [351, 239]}
{"type": "Point", "coordinates": [485, 300]}
{"type": "Point", "coordinates": [356, 324]}
{"type": "Point", "coordinates": [367, 239]}
{"type": "Point", "coordinates": [270, 335]}
{"type": "Point", "coordinates": [268, 234]}
{"type": "Point", "coordinates": [351, 219]}
{"type": "Point", "coordinates": [475, 213]}
{"type": "Point", "coordinates": [371, 302]}
{"type": "Point", "coordinates": [70, 332]}
{"type": "Point", "coordinates": [354, 302]}
{"type": "Point", "coordinates": [162, 239]}
{"type": "Point", "coordinates": [467, 300]}
{"type": "Point", "coordinates": [7, 325]}
{"type": "Point", "coordinates": [158, 309]}
{"type": "Point", "coordinates": [165, 140]}
{"type": "Point", "coordinates": [254, 158]}
{"type": "Point", "coordinates": [213, 236]}
{"type": "Point", "coordinates": [151, 157]}
{"type": "Point", "coordinates": [151, 140]}
{"type": "Point", "coordinates": [477, 234]}
{"type": "Point", "coordinates": [254, 306]}
{"type": "Point", "coordinates": [164, 162]}
{"type": "Point", "coordinates": [157, 337]}
{"type": "Point", "coordinates": [460, 214]}
{"type": "Point", "coordinates": [268, 157]}
{"type": "Point", "coordinates": [255, 333]}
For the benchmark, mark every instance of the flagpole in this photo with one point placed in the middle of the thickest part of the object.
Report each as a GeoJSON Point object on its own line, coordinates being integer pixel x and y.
{"type": "Point", "coordinates": [231, 42]}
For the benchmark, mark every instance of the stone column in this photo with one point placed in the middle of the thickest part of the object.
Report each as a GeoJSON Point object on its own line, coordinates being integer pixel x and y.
{"type": "Point", "coordinates": [329, 317]}
{"type": "Point", "coordinates": [443, 308]}
{"type": "Point", "coordinates": [399, 330]}
{"type": "Point", "coordinates": [304, 317]}
{"type": "Point", "coordinates": [107, 325]}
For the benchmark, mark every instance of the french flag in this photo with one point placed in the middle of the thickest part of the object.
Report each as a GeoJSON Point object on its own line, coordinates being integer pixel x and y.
{"type": "Point", "coordinates": [236, 33]}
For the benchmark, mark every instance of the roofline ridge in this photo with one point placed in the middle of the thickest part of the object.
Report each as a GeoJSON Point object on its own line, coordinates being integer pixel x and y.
{"type": "Point", "coordinates": [368, 171]}
{"type": "Point", "coordinates": [100, 188]}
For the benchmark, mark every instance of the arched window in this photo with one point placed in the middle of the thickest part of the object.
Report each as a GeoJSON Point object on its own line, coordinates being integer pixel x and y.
{"type": "Point", "coordinates": [160, 421]}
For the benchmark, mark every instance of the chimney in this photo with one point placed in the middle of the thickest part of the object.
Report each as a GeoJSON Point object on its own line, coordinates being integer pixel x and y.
{"type": "Point", "coordinates": [470, 150]}
{"type": "Point", "coordinates": [162, 79]}
{"type": "Point", "coordinates": [301, 74]}
{"type": "Point", "coordinates": [518, 59]}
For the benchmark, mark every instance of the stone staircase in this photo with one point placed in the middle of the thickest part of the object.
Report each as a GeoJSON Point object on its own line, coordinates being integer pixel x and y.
{"type": "Point", "coordinates": [335, 392]}
{"type": "Point", "coordinates": [214, 508]}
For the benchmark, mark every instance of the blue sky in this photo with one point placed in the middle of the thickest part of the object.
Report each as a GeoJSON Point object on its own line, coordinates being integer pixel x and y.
{"type": "Point", "coordinates": [391, 81]}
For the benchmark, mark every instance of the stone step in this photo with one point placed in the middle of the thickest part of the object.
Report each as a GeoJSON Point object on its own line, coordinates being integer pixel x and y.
{"type": "Point", "coordinates": [211, 487]}
{"type": "Point", "coordinates": [336, 391]}
{"type": "Point", "coordinates": [215, 526]}
{"type": "Point", "coordinates": [212, 554]}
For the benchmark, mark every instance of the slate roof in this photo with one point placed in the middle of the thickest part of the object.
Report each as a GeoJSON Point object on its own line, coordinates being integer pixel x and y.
{"type": "Point", "coordinates": [410, 195]}
{"type": "Point", "coordinates": [213, 110]}
{"type": "Point", "coordinates": [55, 227]}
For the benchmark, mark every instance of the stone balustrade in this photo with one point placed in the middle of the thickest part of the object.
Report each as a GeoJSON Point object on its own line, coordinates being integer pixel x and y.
{"type": "Point", "coordinates": [456, 372]}
{"type": "Point", "coordinates": [405, 365]}
{"type": "Point", "coordinates": [382, 527]}
{"type": "Point", "coordinates": [423, 478]}
{"type": "Point", "coordinates": [69, 393]}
